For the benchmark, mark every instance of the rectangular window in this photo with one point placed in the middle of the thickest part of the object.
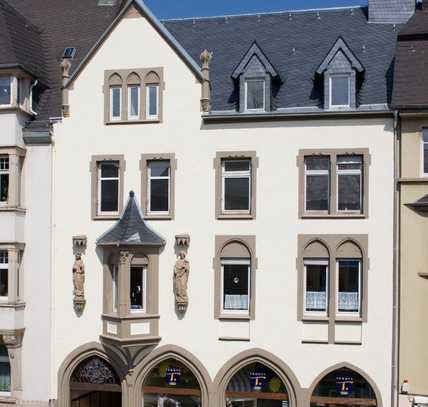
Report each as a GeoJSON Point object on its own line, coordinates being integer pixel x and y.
{"type": "Point", "coordinates": [159, 181]}
{"type": "Point", "coordinates": [236, 286]}
{"type": "Point", "coordinates": [138, 289]}
{"type": "Point", "coordinates": [4, 278]}
{"type": "Point", "coordinates": [425, 152]}
{"type": "Point", "coordinates": [5, 90]}
{"type": "Point", "coordinates": [4, 179]}
{"type": "Point", "coordinates": [349, 287]}
{"type": "Point", "coordinates": [133, 102]}
{"type": "Point", "coordinates": [4, 372]}
{"type": "Point", "coordinates": [255, 94]}
{"type": "Point", "coordinates": [317, 183]}
{"type": "Point", "coordinates": [316, 286]}
{"type": "Point", "coordinates": [108, 187]}
{"type": "Point", "coordinates": [349, 183]}
{"type": "Point", "coordinates": [152, 102]}
{"type": "Point", "coordinates": [114, 286]}
{"type": "Point", "coordinates": [236, 180]}
{"type": "Point", "coordinates": [340, 90]}
{"type": "Point", "coordinates": [115, 102]}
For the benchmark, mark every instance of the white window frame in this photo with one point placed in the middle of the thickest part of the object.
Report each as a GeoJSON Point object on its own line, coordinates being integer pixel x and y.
{"type": "Point", "coordinates": [262, 109]}
{"type": "Point", "coordinates": [115, 288]}
{"type": "Point", "coordinates": [317, 173]}
{"type": "Point", "coordinates": [137, 116]}
{"type": "Point", "coordinates": [3, 267]}
{"type": "Point", "coordinates": [350, 172]}
{"type": "Point", "coordinates": [235, 174]}
{"type": "Point", "coordinates": [6, 172]}
{"type": "Point", "coordinates": [238, 261]}
{"type": "Point", "coordinates": [115, 118]}
{"type": "Point", "coordinates": [360, 285]}
{"type": "Point", "coordinates": [149, 190]}
{"type": "Point", "coordinates": [11, 91]}
{"type": "Point", "coordinates": [100, 179]}
{"type": "Point", "coordinates": [317, 262]}
{"type": "Point", "coordinates": [144, 292]}
{"type": "Point", "coordinates": [148, 115]}
{"type": "Point", "coordinates": [330, 87]}
{"type": "Point", "coordinates": [422, 159]}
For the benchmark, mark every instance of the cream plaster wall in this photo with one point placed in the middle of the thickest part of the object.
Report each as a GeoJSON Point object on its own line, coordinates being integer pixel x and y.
{"type": "Point", "coordinates": [276, 227]}
{"type": "Point", "coordinates": [411, 147]}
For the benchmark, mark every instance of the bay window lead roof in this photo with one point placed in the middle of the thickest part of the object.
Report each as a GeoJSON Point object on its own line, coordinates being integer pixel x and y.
{"type": "Point", "coordinates": [131, 229]}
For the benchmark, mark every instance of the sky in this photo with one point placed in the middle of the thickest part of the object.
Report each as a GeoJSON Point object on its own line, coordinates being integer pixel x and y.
{"type": "Point", "coordinates": [200, 8]}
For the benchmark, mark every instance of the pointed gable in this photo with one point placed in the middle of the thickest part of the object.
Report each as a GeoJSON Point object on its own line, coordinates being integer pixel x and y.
{"type": "Point", "coordinates": [130, 229]}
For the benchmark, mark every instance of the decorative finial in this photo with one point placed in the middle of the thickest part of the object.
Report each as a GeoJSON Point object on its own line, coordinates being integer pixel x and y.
{"type": "Point", "coordinates": [206, 57]}
{"type": "Point", "coordinates": [131, 194]}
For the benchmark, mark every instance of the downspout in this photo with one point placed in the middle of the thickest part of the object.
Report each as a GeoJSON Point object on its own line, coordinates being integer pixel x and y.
{"type": "Point", "coordinates": [396, 261]}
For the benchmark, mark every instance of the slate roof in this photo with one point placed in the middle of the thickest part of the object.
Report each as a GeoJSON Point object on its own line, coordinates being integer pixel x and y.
{"type": "Point", "coordinates": [130, 229]}
{"type": "Point", "coordinates": [295, 43]}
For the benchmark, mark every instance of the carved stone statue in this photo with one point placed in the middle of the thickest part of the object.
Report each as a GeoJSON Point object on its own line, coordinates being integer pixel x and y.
{"type": "Point", "coordinates": [181, 277]}
{"type": "Point", "coordinates": [79, 283]}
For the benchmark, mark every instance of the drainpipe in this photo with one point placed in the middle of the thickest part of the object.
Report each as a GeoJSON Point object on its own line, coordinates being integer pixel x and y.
{"type": "Point", "coordinates": [206, 84]}
{"type": "Point", "coordinates": [396, 261]}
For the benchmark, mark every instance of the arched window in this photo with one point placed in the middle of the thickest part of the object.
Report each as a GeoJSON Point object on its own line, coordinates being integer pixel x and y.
{"type": "Point", "coordinates": [256, 385]}
{"type": "Point", "coordinates": [343, 387]}
{"type": "Point", "coordinates": [171, 384]}
{"type": "Point", "coordinates": [5, 382]}
{"type": "Point", "coordinates": [133, 83]}
{"type": "Point", "coordinates": [152, 82]}
{"type": "Point", "coordinates": [115, 89]}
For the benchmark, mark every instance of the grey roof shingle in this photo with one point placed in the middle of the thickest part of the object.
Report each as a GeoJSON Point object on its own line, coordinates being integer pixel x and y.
{"type": "Point", "coordinates": [130, 229]}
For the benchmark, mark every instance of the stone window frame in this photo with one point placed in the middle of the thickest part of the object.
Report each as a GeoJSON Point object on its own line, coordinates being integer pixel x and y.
{"type": "Point", "coordinates": [93, 168]}
{"type": "Point", "coordinates": [145, 159]}
{"type": "Point", "coordinates": [124, 258]}
{"type": "Point", "coordinates": [333, 154]}
{"type": "Point", "coordinates": [334, 245]}
{"type": "Point", "coordinates": [249, 243]}
{"type": "Point", "coordinates": [235, 155]}
{"type": "Point", "coordinates": [145, 76]}
{"type": "Point", "coordinates": [15, 298]}
{"type": "Point", "coordinates": [16, 157]}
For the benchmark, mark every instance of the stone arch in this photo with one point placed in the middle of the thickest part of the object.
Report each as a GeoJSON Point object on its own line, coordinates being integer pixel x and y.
{"type": "Point", "coordinates": [133, 79]}
{"type": "Point", "coordinates": [115, 80]}
{"type": "Point", "coordinates": [166, 352]}
{"type": "Point", "coordinates": [349, 248]}
{"type": "Point", "coordinates": [264, 357]}
{"type": "Point", "coordinates": [233, 244]}
{"type": "Point", "coordinates": [152, 78]}
{"type": "Point", "coordinates": [316, 248]}
{"type": "Point", "coordinates": [72, 361]}
{"type": "Point", "coordinates": [349, 366]}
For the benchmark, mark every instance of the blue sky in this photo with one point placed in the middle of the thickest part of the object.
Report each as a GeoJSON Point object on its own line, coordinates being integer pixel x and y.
{"type": "Point", "coordinates": [200, 8]}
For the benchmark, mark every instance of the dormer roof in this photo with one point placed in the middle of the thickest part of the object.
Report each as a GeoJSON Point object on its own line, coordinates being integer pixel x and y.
{"type": "Point", "coordinates": [131, 229]}
{"type": "Point", "coordinates": [340, 55]}
{"type": "Point", "coordinates": [255, 60]}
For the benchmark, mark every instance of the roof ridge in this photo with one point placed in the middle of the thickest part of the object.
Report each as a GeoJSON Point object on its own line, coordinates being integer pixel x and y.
{"type": "Point", "coordinates": [300, 11]}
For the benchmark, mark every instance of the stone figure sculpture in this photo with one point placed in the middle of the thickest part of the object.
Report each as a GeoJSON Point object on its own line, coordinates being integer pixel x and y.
{"type": "Point", "coordinates": [79, 283]}
{"type": "Point", "coordinates": [181, 277]}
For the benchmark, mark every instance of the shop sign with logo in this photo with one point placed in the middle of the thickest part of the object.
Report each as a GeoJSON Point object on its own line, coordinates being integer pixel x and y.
{"type": "Point", "coordinates": [173, 375]}
{"type": "Point", "coordinates": [344, 385]}
{"type": "Point", "coordinates": [257, 380]}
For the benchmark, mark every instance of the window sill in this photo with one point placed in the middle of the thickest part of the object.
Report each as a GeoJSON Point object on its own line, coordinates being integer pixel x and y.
{"type": "Point", "coordinates": [315, 318]}
{"type": "Point", "coordinates": [345, 215]}
{"type": "Point", "coordinates": [344, 318]}
{"type": "Point", "coordinates": [158, 217]}
{"type": "Point", "coordinates": [4, 399]}
{"type": "Point", "coordinates": [232, 339]}
{"type": "Point", "coordinates": [149, 121]}
{"type": "Point", "coordinates": [234, 317]}
{"type": "Point", "coordinates": [12, 209]}
{"type": "Point", "coordinates": [421, 180]}
{"type": "Point", "coordinates": [224, 216]}
{"type": "Point", "coordinates": [106, 217]}
{"type": "Point", "coordinates": [16, 306]}
{"type": "Point", "coordinates": [131, 316]}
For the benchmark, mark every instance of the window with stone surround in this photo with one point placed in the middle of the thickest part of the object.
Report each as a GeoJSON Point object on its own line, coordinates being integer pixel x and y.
{"type": "Point", "coordinates": [11, 166]}
{"type": "Point", "coordinates": [10, 273]}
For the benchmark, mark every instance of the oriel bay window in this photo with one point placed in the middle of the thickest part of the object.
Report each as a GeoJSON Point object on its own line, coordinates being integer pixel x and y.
{"type": "Point", "coordinates": [11, 165]}
{"type": "Point", "coordinates": [10, 270]}
{"type": "Point", "coordinates": [5, 91]}
{"type": "Point", "coordinates": [4, 275]}
{"type": "Point", "coordinates": [333, 183]}
{"type": "Point", "coordinates": [424, 153]}
{"type": "Point", "coordinates": [235, 185]}
{"type": "Point", "coordinates": [138, 289]}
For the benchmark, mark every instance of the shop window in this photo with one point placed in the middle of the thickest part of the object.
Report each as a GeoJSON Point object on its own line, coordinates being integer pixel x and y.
{"type": "Point", "coordinates": [171, 384]}
{"type": "Point", "coordinates": [256, 385]}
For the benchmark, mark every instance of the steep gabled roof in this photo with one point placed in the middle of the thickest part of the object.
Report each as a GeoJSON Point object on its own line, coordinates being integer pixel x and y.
{"type": "Point", "coordinates": [257, 52]}
{"type": "Point", "coordinates": [340, 46]}
{"type": "Point", "coordinates": [130, 229]}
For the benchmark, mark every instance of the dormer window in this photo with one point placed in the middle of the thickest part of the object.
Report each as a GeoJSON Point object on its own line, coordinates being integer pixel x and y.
{"type": "Point", "coordinates": [340, 91]}
{"type": "Point", "coordinates": [5, 90]}
{"type": "Point", "coordinates": [255, 98]}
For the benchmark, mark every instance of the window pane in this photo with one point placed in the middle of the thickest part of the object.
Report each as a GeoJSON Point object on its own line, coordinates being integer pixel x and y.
{"type": "Point", "coordinates": [109, 170]}
{"type": "Point", "coordinates": [115, 95]}
{"type": "Point", "coordinates": [153, 100]}
{"type": "Point", "coordinates": [4, 257]}
{"type": "Point", "coordinates": [235, 286]}
{"type": "Point", "coordinates": [159, 168]}
{"type": "Point", "coordinates": [316, 287]}
{"type": "Point", "coordinates": [159, 191]}
{"type": "Point", "coordinates": [425, 135]}
{"type": "Point", "coordinates": [236, 194]}
{"type": "Point", "coordinates": [317, 192]}
{"type": "Point", "coordinates": [134, 101]}
{"type": "Point", "coordinates": [109, 195]}
{"type": "Point", "coordinates": [255, 94]}
{"type": "Point", "coordinates": [115, 293]}
{"type": "Point", "coordinates": [4, 163]}
{"type": "Point", "coordinates": [237, 165]}
{"type": "Point", "coordinates": [5, 90]}
{"type": "Point", "coordinates": [137, 289]}
{"type": "Point", "coordinates": [4, 187]}
{"type": "Point", "coordinates": [340, 91]}
{"type": "Point", "coordinates": [349, 190]}
{"type": "Point", "coordinates": [349, 282]}
{"type": "Point", "coordinates": [3, 283]}
{"type": "Point", "coordinates": [317, 163]}
{"type": "Point", "coordinates": [346, 162]}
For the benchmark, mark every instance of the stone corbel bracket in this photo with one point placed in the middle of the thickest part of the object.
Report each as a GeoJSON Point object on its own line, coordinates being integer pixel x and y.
{"type": "Point", "coordinates": [79, 244]}
{"type": "Point", "coordinates": [182, 241]}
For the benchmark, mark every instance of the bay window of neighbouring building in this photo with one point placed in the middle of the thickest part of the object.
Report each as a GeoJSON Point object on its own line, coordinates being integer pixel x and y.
{"type": "Point", "coordinates": [316, 287]}
{"type": "Point", "coordinates": [317, 183]}
{"type": "Point", "coordinates": [4, 275]}
{"type": "Point", "coordinates": [5, 377]}
{"type": "Point", "coordinates": [138, 290]}
{"type": "Point", "coordinates": [11, 256]}
{"type": "Point", "coordinates": [5, 90]}
{"type": "Point", "coordinates": [424, 153]}
{"type": "Point", "coordinates": [236, 281]}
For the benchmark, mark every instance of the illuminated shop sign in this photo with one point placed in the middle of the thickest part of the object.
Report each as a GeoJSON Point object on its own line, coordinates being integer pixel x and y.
{"type": "Point", "coordinates": [257, 380]}
{"type": "Point", "coordinates": [173, 375]}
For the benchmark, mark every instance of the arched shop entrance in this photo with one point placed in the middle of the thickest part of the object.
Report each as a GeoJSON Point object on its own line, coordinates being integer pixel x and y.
{"type": "Point", "coordinates": [256, 385]}
{"type": "Point", "coordinates": [344, 387]}
{"type": "Point", "coordinates": [171, 384]}
{"type": "Point", "coordinates": [94, 383]}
